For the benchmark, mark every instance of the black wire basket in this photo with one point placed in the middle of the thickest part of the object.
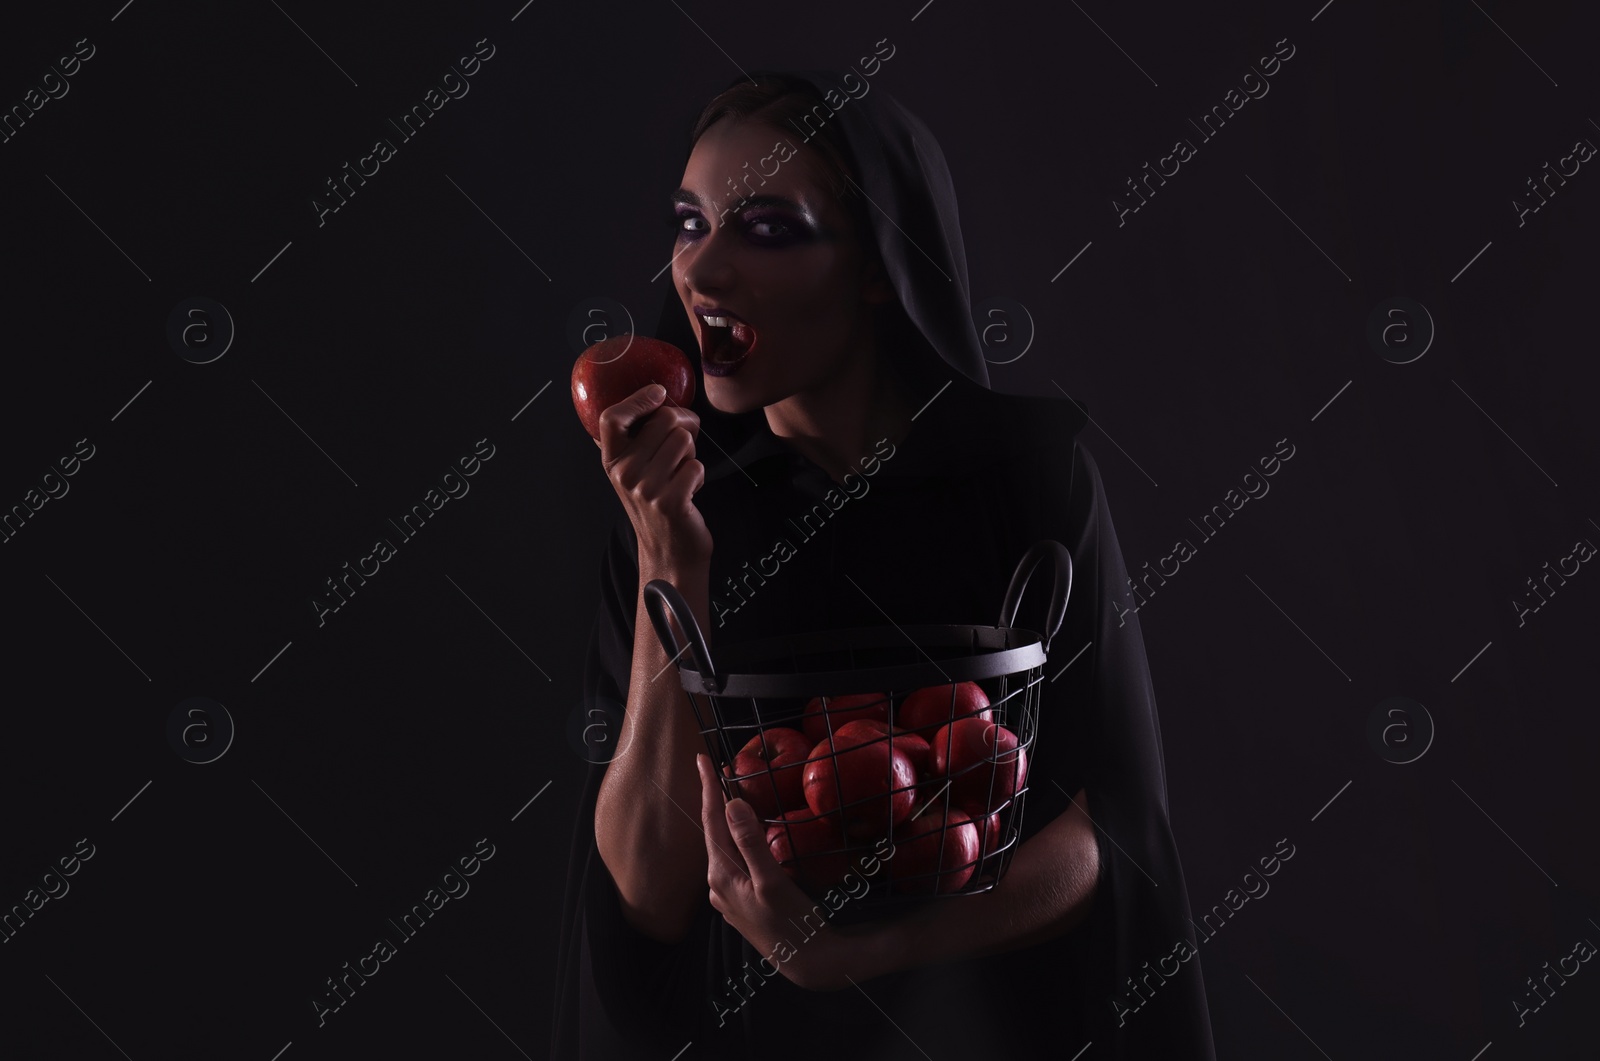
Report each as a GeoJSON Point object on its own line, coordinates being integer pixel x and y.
{"type": "Point", "coordinates": [841, 740]}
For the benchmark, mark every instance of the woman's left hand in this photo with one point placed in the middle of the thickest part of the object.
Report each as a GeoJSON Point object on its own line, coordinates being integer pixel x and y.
{"type": "Point", "coordinates": [754, 895]}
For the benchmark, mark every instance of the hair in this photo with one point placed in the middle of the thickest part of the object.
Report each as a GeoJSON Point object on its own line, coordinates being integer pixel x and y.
{"type": "Point", "coordinates": [783, 101]}
{"type": "Point", "coordinates": [788, 101]}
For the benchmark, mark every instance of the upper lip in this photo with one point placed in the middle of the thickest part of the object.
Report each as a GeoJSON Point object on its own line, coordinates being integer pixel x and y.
{"type": "Point", "coordinates": [716, 311]}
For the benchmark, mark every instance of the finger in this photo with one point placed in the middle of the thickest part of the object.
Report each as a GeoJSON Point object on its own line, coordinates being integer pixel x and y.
{"type": "Point", "coordinates": [676, 447]}
{"type": "Point", "coordinates": [750, 834]}
{"type": "Point", "coordinates": [685, 420]}
{"type": "Point", "coordinates": [724, 866]}
{"type": "Point", "coordinates": [692, 475]}
{"type": "Point", "coordinates": [650, 434]}
{"type": "Point", "coordinates": [671, 416]}
{"type": "Point", "coordinates": [621, 421]}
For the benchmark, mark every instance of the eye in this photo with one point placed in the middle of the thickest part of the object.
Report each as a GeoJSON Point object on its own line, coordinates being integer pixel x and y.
{"type": "Point", "coordinates": [780, 229]}
{"type": "Point", "coordinates": [776, 230]}
{"type": "Point", "coordinates": [679, 223]}
{"type": "Point", "coordinates": [763, 230]}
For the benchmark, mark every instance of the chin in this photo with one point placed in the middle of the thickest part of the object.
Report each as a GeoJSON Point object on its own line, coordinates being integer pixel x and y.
{"type": "Point", "coordinates": [726, 395]}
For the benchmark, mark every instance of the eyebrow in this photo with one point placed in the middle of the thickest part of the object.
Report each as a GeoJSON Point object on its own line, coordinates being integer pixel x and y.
{"type": "Point", "coordinates": [689, 198]}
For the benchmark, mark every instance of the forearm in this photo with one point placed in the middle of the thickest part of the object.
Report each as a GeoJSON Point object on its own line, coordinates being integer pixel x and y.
{"type": "Point", "coordinates": [647, 812]}
{"type": "Point", "coordinates": [1047, 891]}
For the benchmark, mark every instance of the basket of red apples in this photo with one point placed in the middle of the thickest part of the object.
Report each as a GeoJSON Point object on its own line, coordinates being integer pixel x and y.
{"type": "Point", "coordinates": [840, 740]}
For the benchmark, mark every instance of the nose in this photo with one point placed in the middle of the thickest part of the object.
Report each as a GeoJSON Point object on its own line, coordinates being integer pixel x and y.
{"type": "Point", "coordinates": [710, 264]}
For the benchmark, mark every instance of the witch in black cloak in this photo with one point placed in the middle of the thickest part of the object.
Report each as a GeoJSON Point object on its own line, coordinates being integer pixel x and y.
{"type": "Point", "coordinates": [1084, 947]}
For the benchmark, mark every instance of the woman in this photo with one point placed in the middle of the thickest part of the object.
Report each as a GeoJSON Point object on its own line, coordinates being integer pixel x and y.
{"type": "Point", "coordinates": [862, 474]}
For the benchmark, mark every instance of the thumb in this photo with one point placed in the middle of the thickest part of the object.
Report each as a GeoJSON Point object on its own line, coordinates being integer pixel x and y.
{"type": "Point", "coordinates": [746, 828]}
{"type": "Point", "coordinates": [641, 404]}
{"type": "Point", "coordinates": [751, 837]}
{"type": "Point", "coordinates": [742, 822]}
{"type": "Point", "coordinates": [621, 421]}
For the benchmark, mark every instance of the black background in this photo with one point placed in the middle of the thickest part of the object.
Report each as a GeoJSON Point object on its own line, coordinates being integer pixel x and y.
{"type": "Point", "coordinates": [429, 710]}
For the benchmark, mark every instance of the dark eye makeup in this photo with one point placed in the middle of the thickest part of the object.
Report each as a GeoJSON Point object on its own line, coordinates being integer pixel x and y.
{"type": "Point", "coordinates": [766, 229]}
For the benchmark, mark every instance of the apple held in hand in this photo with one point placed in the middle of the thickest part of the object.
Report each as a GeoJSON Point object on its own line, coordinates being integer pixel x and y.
{"type": "Point", "coordinates": [614, 368]}
{"type": "Point", "coordinates": [811, 850]}
{"type": "Point", "coordinates": [842, 710]}
{"type": "Point", "coordinates": [933, 852]}
{"type": "Point", "coordinates": [863, 778]}
{"type": "Point", "coordinates": [984, 761]}
{"type": "Point", "coordinates": [770, 775]}
{"type": "Point", "coordinates": [927, 709]}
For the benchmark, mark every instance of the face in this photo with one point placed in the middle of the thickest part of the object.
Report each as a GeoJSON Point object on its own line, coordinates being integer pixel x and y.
{"type": "Point", "coordinates": [786, 260]}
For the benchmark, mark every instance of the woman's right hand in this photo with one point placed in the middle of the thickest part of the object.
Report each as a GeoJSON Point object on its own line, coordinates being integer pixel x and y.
{"type": "Point", "coordinates": [648, 452]}
{"type": "Point", "coordinates": [653, 851]}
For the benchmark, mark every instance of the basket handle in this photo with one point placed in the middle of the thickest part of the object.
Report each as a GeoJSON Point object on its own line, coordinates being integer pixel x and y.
{"type": "Point", "coordinates": [1059, 591]}
{"type": "Point", "coordinates": [659, 594]}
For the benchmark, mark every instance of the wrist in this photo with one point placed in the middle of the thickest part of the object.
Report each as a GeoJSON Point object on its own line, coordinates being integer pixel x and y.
{"type": "Point", "coordinates": [692, 584]}
{"type": "Point", "coordinates": [679, 571]}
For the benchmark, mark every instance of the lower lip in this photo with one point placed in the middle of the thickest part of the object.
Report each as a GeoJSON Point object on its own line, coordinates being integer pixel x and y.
{"type": "Point", "coordinates": [727, 368]}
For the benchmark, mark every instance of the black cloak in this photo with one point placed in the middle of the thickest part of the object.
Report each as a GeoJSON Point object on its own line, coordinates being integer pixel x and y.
{"type": "Point", "coordinates": [930, 534]}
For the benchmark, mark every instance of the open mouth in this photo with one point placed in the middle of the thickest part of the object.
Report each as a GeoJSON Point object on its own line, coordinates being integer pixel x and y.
{"type": "Point", "coordinates": [725, 344]}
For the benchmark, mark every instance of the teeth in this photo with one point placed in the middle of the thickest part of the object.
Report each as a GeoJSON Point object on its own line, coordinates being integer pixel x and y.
{"type": "Point", "coordinates": [717, 322]}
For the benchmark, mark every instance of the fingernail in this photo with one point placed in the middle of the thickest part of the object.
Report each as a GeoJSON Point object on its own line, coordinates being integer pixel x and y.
{"type": "Point", "coordinates": [656, 392]}
{"type": "Point", "coordinates": [740, 812]}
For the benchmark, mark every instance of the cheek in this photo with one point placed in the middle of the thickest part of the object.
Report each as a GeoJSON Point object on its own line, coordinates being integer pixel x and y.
{"type": "Point", "coordinates": [805, 292]}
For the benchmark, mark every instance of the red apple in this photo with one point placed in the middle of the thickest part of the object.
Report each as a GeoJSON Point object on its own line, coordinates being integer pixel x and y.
{"type": "Point", "coordinates": [933, 843]}
{"type": "Point", "coordinates": [915, 746]}
{"type": "Point", "coordinates": [874, 780]}
{"type": "Point", "coordinates": [769, 776]}
{"type": "Point", "coordinates": [984, 762]}
{"type": "Point", "coordinates": [841, 710]}
{"type": "Point", "coordinates": [614, 368]}
{"type": "Point", "coordinates": [989, 840]}
{"type": "Point", "coordinates": [927, 709]}
{"type": "Point", "coordinates": [811, 850]}
{"type": "Point", "coordinates": [917, 750]}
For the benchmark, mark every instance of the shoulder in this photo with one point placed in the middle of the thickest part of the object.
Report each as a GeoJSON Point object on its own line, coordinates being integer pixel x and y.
{"type": "Point", "coordinates": [1035, 417]}
{"type": "Point", "coordinates": [1027, 430]}
{"type": "Point", "coordinates": [1044, 419]}
{"type": "Point", "coordinates": [1039, 453]}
